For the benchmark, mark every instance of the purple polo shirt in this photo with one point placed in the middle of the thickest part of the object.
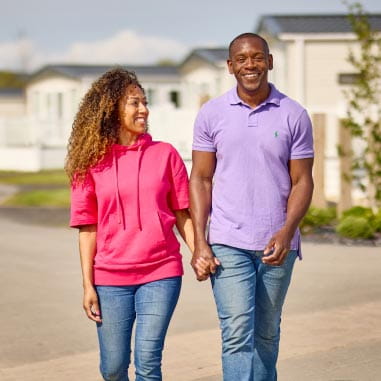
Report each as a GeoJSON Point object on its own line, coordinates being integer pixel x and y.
{"type": "Point", "coordinates": [251, 183]}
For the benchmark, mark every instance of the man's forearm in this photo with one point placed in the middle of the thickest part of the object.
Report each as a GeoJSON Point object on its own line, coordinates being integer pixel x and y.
{"type": "Point", "coordinates": [200, 205]}
{"type": "Point", "coordinates": [298, 203]}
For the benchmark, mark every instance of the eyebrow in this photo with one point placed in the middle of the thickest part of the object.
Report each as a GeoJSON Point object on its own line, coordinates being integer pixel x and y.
{"type": "Point", "coordinates": [135, 97]}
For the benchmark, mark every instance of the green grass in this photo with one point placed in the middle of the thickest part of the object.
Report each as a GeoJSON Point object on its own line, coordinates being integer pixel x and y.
{"type": "Point", "coordinates": [51, 177]}
{"type": "Point", "coordinates": [50, 197]}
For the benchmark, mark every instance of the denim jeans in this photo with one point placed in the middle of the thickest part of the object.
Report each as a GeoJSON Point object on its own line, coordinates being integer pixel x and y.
{"type": "Point", "coordinates": [249, 297]}
{"type": "Point", "coordinates": [152, 305]}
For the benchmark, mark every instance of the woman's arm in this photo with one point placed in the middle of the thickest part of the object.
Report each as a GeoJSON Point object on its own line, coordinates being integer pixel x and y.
{"type": "Point", "coordinates": [87, 246]}
{"type": "Point", "coordinates": [185, 227]}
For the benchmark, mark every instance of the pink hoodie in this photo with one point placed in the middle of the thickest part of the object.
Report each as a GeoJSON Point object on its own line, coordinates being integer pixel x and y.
{"type": "Point", "coordinates": [131, 195]}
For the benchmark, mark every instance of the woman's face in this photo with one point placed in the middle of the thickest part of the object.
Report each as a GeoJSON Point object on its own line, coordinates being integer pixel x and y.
{"type": "Point", "coordinates": [133, 112]}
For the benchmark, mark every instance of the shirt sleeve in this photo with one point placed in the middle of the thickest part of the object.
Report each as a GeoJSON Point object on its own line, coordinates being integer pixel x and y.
{"type": "Point", "coordinates": [302, 140]}
{"type": "Point", "coordinates": [202, 139]}
{"type": "Point", "coordinates": [179, 192]}
{"type": "Point", "coordinates": [83, 207]}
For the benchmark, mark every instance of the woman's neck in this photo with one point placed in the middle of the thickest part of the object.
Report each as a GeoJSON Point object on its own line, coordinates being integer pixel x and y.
{"type": "Point", "coordinates": [127, 139]}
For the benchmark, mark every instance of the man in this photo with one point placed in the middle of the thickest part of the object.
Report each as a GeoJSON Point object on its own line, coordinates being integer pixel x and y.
{"type": "Point", "coordinates": [252, 173]}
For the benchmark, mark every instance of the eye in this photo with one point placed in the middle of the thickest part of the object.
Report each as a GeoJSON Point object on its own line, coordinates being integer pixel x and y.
{"type": "Point", "coordinates": [133, 102]}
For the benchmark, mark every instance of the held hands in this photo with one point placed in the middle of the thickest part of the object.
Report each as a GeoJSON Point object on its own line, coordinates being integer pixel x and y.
{"type": "Point", "coordinates": [204, 263]}
{"type": "Point", "coordinates": [91, 304]}
{"type": "Point", "coordinates": [277, 249]}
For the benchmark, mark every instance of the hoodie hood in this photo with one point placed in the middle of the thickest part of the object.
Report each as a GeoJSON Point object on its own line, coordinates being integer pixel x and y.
{"type": "Point", "coordinates": [143, 140]}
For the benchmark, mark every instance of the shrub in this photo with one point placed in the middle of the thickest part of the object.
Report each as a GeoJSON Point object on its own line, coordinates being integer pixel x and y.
{"type": "Point", "coordinates": [359, 211]}
{"type": "Point", "coordinates": [377, 222]}
{"type": "Point", "coordinates": [355, 227]}
{"type": "Point", "coordinates": [317, 217]}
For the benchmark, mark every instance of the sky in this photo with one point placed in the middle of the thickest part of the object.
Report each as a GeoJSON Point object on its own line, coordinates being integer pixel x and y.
{"type": "Point", "coordinates": [37, 32]}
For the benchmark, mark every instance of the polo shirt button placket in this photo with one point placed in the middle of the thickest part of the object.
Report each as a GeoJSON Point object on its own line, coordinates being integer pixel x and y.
{"type": "Point", "coordinates": [252, 119]}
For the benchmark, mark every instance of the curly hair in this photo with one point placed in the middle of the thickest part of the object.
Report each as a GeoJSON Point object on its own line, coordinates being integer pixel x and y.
{"type": "Point", "coordinates": [96, 125]}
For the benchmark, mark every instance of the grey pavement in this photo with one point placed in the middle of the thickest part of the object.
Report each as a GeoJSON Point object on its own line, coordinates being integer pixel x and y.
{"type": "Point", "coordinates": [331, 327]}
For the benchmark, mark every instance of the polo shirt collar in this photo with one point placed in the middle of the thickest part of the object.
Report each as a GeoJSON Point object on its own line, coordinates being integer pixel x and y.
{"type": "Point", "coordinates": [274, 97]}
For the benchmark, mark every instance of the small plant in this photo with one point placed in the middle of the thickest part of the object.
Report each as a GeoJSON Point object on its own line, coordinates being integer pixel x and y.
{"type": "Point", "coordinates": [359, 211]}
{"type": "Point", "coordinates": [377, 221]}
{"type": "Point", "coordinates": [317, 217]}
{"type": "Point", "coordinates": [355, 227]}
{"type": "Point", "coordinates": [363, 105]}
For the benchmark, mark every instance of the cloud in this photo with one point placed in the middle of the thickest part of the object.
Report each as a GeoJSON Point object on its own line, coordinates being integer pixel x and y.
{"type": "Point", "coordinates": [126, 46]}
{"type": "Point", "coordinates": [19, 55]}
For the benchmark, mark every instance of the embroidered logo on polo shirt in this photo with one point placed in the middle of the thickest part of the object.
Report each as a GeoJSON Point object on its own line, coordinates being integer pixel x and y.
{"type": "Point", "coordinates": [276, 134]}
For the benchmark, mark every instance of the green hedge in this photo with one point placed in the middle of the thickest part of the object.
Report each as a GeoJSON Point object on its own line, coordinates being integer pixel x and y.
{"type": "Point", "coordinates": [357, 222]}
{"type": "Point", "coordinates": [374, 220]}
{"type": "Point", "coordinates": [317, 217]}
{"type": "Point", "coordinates": [355, 227]}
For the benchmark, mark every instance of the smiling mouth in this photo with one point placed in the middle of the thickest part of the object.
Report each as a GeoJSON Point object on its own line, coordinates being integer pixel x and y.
{"type": "Point", "coordinates": [141, 120]}
{"type": "Point", "coordinates": [251, 75]}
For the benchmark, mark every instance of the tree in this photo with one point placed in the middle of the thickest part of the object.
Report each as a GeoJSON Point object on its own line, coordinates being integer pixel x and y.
{"type": "Point", "coordinates": [10, 79]}
{"type": "Point", "coordinates": [166, 62]}
{"type": "Point", "coordinates": [363, 117]}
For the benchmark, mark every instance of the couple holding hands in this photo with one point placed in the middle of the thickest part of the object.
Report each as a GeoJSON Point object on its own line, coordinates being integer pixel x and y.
{"type": "Point", "coordinates": [251, 174]}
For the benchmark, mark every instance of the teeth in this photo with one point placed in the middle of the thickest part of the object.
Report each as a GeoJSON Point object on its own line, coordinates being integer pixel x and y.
{"type": "Point", "coordinates": [252, 75]}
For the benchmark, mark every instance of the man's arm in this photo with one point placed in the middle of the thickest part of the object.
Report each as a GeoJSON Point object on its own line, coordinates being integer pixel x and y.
{"type": "Point", "coordinates": [298, 202]}
{"type": "Point", "coordinates": [204, 164]}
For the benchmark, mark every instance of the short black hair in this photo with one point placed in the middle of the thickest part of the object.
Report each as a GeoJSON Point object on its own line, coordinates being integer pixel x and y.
{"type": "Point", "coordinates": [249, 35]}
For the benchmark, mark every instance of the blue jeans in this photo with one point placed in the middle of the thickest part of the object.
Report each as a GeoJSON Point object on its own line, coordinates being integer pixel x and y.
{"type": "Point", "coordinates": [249, 297]}
{"type": "Point", "coordinates": [152, 305]}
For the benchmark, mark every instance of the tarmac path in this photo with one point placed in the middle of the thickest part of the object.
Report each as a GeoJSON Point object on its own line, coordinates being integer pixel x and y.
{"type": "Point", "coordinates": [331, 328]}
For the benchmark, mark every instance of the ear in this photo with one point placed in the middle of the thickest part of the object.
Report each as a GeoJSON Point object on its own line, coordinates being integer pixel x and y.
{"type": "Point", "coordinates": [230, 65]}
{"type": "Point", "coordinates": [271, 62]}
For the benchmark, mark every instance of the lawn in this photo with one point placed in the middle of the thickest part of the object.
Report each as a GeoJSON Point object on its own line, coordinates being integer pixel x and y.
{"type": "Point", "coordinates": [51, 177]}
{"type": "Point", "coordinates": [51, 188]}
{"type": "Point", "coordinates": [45, 197]}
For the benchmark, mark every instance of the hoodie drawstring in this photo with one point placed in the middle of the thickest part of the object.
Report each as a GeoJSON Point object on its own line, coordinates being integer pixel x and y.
{"type": "Point", "coordinates": [140, 154]}
{"type": "Point", "coordinates": [143, 141]}
{"type": "Point", "coordinates": [117, 195]}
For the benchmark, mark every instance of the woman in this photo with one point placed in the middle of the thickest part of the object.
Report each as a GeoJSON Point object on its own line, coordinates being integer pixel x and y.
{"type": "Point", "coordinates": [127, 193]}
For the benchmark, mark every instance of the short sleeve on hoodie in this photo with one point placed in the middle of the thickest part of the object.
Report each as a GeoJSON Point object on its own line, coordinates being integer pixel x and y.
{"type": "Point", "coordinates": [179, 193]}
{"type": "Point", "coordinates": [302, 140]}
{"type": "Point", "coordinates": [83, 208]}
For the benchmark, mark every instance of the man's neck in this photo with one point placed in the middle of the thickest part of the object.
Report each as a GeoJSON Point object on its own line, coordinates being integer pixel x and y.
{"type": "Point", "coordinates": [254, 99]}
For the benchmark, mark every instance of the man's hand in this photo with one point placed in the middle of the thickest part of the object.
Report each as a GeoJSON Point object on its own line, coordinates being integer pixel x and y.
{"type": "Point", "coordinates": [91, 304]}
{"type": "Point", "coordinates": [204, 262]}
{"type": "Point", "coordinates": [277, 249]}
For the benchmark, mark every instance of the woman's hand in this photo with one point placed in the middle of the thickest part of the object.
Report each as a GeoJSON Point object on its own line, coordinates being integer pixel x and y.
{"type": "Point", "coordinates": [204, 262]}
{"type": "Point", "coordinates": [91, 304]}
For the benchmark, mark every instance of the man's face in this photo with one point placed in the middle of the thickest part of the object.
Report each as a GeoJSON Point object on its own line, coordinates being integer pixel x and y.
{"type": "Point", "coordinates": [250, 62]}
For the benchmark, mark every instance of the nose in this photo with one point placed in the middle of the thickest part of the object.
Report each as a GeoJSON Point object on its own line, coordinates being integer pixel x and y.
{"type": "Point", "coordinates": [250, 63]}
{"type": "Point", "coordinates": [143, 109]}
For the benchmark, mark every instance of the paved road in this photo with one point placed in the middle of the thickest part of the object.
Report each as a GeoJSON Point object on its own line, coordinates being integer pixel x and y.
{"type": "Point", "coordinates": [331, 327]}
